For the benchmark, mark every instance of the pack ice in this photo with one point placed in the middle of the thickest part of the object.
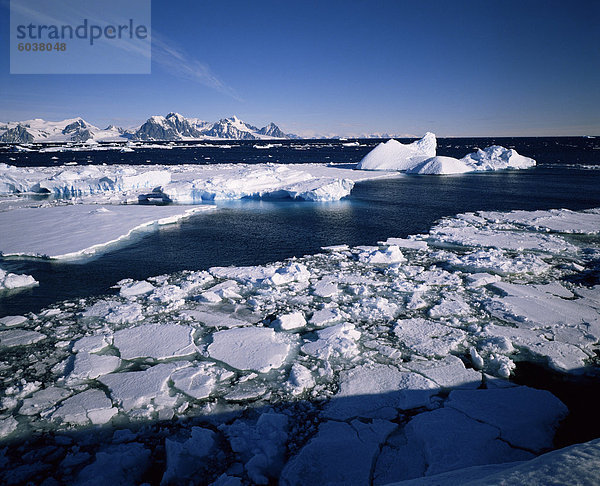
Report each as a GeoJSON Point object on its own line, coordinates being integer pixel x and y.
{"type": "Point", "coordinates": [358, 365]}
{"type": "Point", "coordinates": [420, 158]}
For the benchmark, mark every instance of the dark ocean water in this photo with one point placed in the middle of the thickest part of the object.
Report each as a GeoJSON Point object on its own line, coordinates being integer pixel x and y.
{"type": "Point", "coordinates": [251, 232]}
{"type": "Point", "coordinates": [546, 150]}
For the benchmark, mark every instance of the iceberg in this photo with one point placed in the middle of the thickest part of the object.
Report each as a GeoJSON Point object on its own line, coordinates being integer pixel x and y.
{"type": "Point", "coordinates": [497, 158]}
{"type": "Point", "coordinates": [393, 155]}
{"type": "Point", "coordinates": [440, 165]}
{"type": "Point", "coordinates": [420, 158]}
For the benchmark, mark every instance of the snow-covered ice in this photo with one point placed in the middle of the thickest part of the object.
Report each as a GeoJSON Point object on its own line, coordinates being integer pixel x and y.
{"type": "Point", "coordinates": [136, 389]}
{"type": "Point", "coordinates": [428, 338]}
{"type": "Point", "coordinates": [287, 322]}
{"type": "Point", "coordinates": [576, 464]}
{"type": "Point", "coordinates": [250, 348]}
{"type": "Point", "coordinates": [13, 281]}
{"type": "Point", "coordinates": [337, 341]}
{"type": "Point", "coordinates": [158, 341]}
{"type": "Point", "coordinates": [185, 458]}
{"type": "Point", "coordinates": [340, 453]}
{"type": "Point", "coordinates": [512, 411]}
{"type": "Point", "coordinates": [379, 391]}
{"type": "Point", "coordinates": [184, 183]}
{"type": "Point", "coordinates": [19, 337]}
{"type": "Point", "coordinates": [77, 230]}
{"type": "Point", "coordinates": [89, 406]}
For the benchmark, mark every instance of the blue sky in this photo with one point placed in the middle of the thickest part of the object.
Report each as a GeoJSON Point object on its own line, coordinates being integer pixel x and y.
{"type": "Point", "coordinates": [457, 68]}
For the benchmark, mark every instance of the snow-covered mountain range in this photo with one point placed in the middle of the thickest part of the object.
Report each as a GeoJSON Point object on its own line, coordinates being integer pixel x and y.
{"type": "Point", "coordinates": [171, 127]}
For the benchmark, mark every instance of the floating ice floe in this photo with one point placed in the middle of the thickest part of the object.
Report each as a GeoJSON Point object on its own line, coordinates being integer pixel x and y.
{"type": "Point", "coordinates": [19, 337]}
{"type": "Point", "coordinates": [329, 368]}
{"type": "Point", "coordinates": [14, 281]}
{"type": "Point", "coordinates": [420, 158]}
{"type": "Point", "coordinates": [250, 348]}
{"type": "Point", "coordinates": [79, 230]}
{"type": "Point", "coordinates": [158, 341]}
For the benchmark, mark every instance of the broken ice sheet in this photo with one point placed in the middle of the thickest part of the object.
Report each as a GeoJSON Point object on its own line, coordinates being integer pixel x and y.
{"type": "Point", "coordinates": [369, 342]}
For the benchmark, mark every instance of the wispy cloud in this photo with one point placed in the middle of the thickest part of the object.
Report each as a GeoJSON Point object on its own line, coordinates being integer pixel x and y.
{"type": "Point", "coordinates": [178, 63]}
{"type": "Point", "coordinates": [165, 53]}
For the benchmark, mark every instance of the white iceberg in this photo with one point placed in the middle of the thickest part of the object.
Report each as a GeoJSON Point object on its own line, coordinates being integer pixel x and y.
{"type": "Point", "coordinates": [420, 158]}
{"type": "Point", "coordinates": [440, 165]}
{"type": "Point", "coordinates": [497, 158]}
{"type": "Point", "coordinates": [393, 155]}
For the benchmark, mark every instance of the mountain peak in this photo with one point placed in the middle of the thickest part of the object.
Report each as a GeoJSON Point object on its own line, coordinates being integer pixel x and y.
{"type": "Point", "coordinates": [173, 126]}
{"type": "Point", "coordinates": [175, 115]}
